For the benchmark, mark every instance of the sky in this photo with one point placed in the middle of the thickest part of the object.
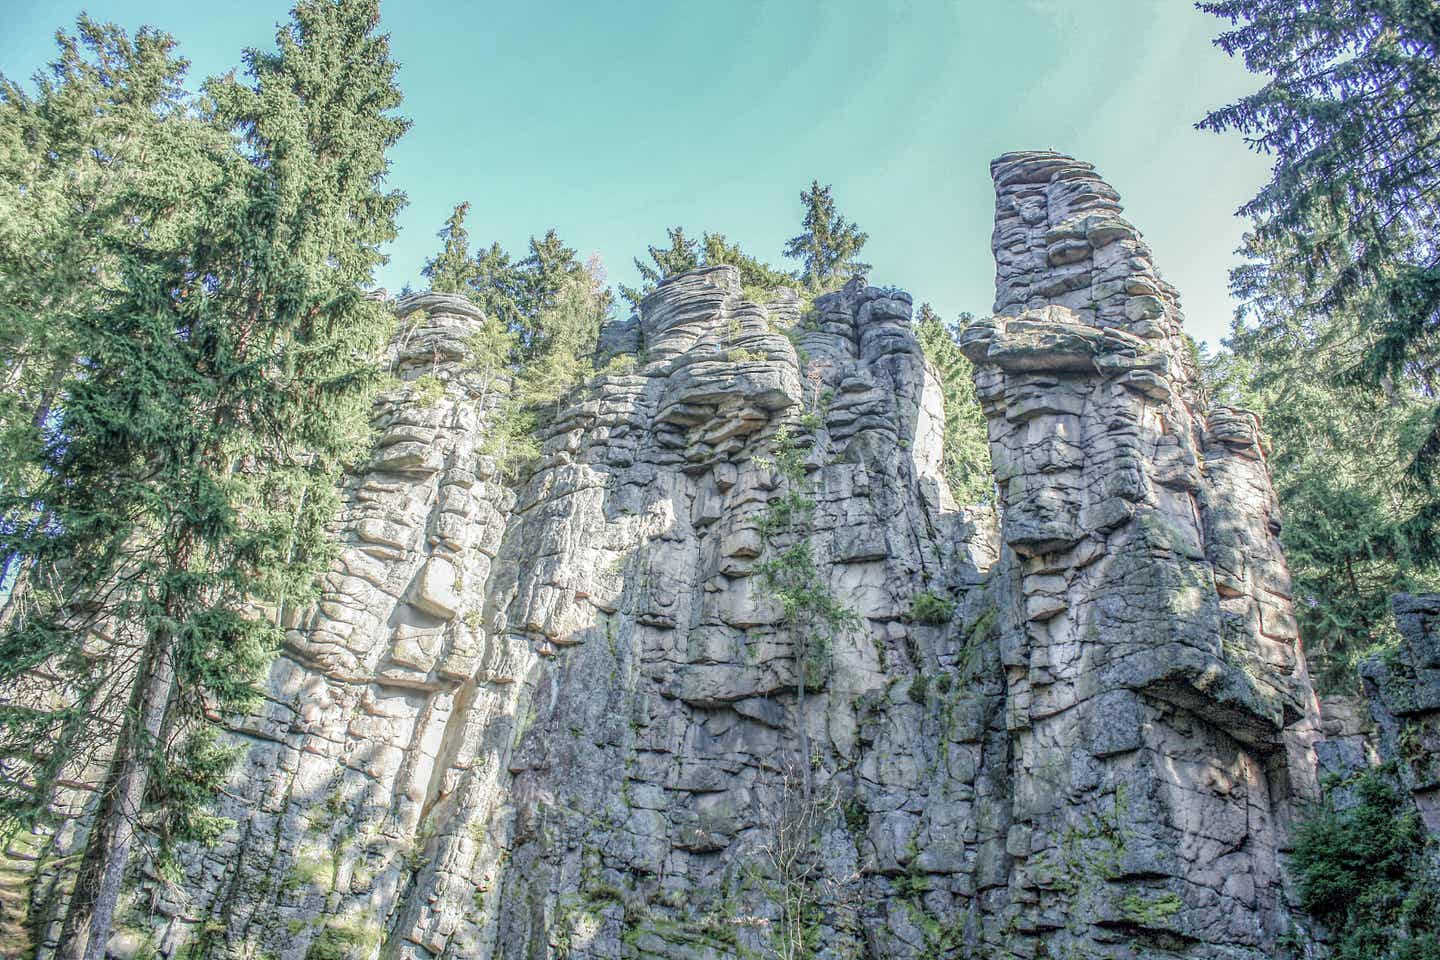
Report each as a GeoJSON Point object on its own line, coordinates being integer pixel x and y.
{"type": "Point", "coordinates": [610, 120]}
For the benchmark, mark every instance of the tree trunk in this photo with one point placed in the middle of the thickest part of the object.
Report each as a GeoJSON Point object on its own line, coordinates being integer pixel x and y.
{"type": "Point", "coordinates": [107, 849]}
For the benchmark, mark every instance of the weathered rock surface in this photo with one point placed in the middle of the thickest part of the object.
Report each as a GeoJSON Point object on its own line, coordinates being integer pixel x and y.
{"type": "Point", "coordinates": [561, 717]}
{"type": "Point", "coordinates": [1403, 690]}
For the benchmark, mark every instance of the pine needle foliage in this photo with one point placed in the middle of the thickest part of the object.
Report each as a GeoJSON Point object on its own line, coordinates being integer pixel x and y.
{"type": "Point", "coordinates": [1352, 534]}
{"type": "Point", "coordinates": [1350, 111]}
{"type": "Point", "coordinates": [713, 249]}
{"type": "Point", "coordinates": [828, 245]}
{"type": "Point", "coordinates": [453, 270]}
{"type": "Point", "coordinates": [542, 318]}
{"type": "Point", "coordinates": [789, 574]}
{"type": "Point", "coordinates": [189, 466]}
{"type": "Point", "coordinates": [681, 255]}
{"type": "Point", "coordinates": [1363, 870]}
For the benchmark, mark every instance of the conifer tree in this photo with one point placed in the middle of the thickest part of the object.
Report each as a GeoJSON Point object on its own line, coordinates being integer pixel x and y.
{"type": "Point", "coordinates": [828, 245]}
{"type": "Point", "coordinates": [71, 157]}
{"type": "Point", "coordinates": [548, 280]}
{"type": "Point", "coordinates": [1338, 340]}
{"type": "Point", "coordinates": [497, 287]}
{"type": "Point", "coordinates": [683, 254]}
{"type": "Point", "coordinates": [716, 250]}
{"type": "Point", "coordinates": [686, 254]}
{"type": "Point", "coordinates": [192, 467]}
{"type": "Point", "coordinates": [453, 270]}
{"type": "Point", "coordinates": [1350, 111]}
{"type": "Point", "coordinates": [1352, 535]}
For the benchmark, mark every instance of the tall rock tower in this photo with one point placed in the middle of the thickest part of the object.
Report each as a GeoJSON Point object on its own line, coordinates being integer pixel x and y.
{"type": "Point", "coordinates": [1157, 696]}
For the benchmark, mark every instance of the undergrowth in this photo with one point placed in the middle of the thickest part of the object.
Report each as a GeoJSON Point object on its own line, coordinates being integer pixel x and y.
{"type": "Point", "coordinates": [1364, 871]}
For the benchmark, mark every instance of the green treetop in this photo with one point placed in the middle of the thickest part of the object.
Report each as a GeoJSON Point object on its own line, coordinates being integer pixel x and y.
{"type": "Point", "coordinates": [1338, 338]}
{"type": "Point", "coordinates": [828, 245]}
{"type": "Point", "coordinates": [686, 254]}
{"type": "Point", "coordinates": [1350, 111]}
{"type": "Point", "coordinates": [453, 270]}
{"type": "Point", "coordinates": [683, 254]}
{"type": "Point", "coordinates": [753, 273]}
{"type": "Point", "coordinates": [966, 442]}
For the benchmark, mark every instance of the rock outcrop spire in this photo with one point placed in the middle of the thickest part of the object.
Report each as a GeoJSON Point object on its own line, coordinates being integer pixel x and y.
{"type": "Point", "coordinates": [1154, 678]}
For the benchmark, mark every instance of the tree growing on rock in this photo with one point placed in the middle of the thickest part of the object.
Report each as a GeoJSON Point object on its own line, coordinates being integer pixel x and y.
{"type": "Point", "coordinates": [713, 249]}
{"type": "Point", "coordinates": [754, 273]}
{"type": "Point", "coordinates": [967, 446]}
{"type": "Point", "coordinates": [683, 254]}
{"type": "Point", "coordinates": [828, 245]}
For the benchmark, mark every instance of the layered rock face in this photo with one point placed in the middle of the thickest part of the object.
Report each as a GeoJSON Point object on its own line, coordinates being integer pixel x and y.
{"type": "Point", "coordinates": [1403, 690]}
{"type": "Point", "coordinates": [561, 716]}
{"type": "Point", "coordinates": [1161, 716]}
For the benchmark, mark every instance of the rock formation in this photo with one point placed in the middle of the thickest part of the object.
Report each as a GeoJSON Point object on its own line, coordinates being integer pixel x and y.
{"type": "Point", "coordinates": [1403, 690]}
{"type": "Point", "coordinates": [561, 717]}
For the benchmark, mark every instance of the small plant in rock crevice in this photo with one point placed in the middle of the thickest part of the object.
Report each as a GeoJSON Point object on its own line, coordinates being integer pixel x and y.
{"type": "Point", "coordinates": [789, 574]}
{"type": "Point", "coordinates": [813, 616]}
{"type": "Point", "coordinates": [930, 608]}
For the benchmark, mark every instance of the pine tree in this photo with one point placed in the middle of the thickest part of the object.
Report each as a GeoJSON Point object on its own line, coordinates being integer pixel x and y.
{"type": "Point", "coordinates": [1350, 110]}
{"type": "Point", "coordinates": [1338, 339]}
{"type": "Point", "coordinates": [71, 156]}
{"type": "Point", "coordinates": [1352, 535]}
{"type": "Point", "coordinates": [453, 270]}
{"type": "Point", "coordinates": [686, 254]}
{"type": "Point", "coordinates": [192, 467]}
{"type": "Point", "coordinates": [829, 244]}
{"type": "Point", "coordinates": [546, 269]}
{"type": "Point", "coordinates": [552, 284]}
{"type": "Point", "coordinates": [497, 287]}
{"type": "Point", "coordinates": [683, 254]}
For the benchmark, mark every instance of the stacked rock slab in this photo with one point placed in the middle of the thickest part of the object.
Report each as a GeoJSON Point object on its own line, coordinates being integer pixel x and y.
{"type": "Point", "coordinates": [1156, 693]}
{"type": "Point", "coordinates": [548, 710]}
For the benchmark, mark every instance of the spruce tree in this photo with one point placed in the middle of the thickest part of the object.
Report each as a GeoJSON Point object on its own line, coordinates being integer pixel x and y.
{"type": "Point", "coordinates": [1338, 339]}
{"type": "Point", "coordinates": [192, 467]}
{"type": "Point", "coordinates": [683, 254]}
{"type": "Point", "coordinates": [72, 157]}
{"type": "Point", "coordinates": [828, 245]}
{"type": "Point", "coordinates": [546, 279]}
{"type": "Point", "coordinates": [497, 287]}
{"type": "Point", "coordinates": [1352, 535]}
{"type": "Point", "coordinates": [1350, 111]}
{"type": "Point", "coordinates": [686, 254]}
{"type": "Point", "coordinates": [453, 270]}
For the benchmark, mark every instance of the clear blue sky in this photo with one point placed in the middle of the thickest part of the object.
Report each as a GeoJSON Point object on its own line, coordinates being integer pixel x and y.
{"type": "Point", "coordinates": [610, 121]}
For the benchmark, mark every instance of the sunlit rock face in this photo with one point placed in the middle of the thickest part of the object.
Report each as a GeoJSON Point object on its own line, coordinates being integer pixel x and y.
{"type": "Point", "coordinates": [1162, 719]}
{"type": "Point", "coordinates": [555, 714]}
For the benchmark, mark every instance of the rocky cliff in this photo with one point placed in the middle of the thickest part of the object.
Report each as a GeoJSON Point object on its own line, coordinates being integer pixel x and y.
{"type": "Point", "coordinates": [561, 716]}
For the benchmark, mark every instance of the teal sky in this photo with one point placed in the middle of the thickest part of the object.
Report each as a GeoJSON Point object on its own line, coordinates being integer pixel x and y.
{"type": "Point", "coordinates": [610, 121]}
